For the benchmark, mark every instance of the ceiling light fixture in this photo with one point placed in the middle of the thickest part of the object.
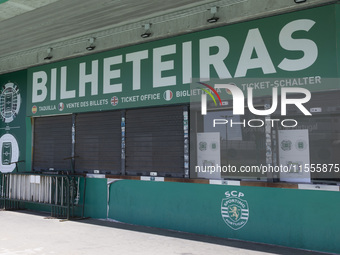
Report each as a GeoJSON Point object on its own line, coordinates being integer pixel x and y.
{"type": "Point", "coordinates": [91, 46]}
{"type": "Point", "coordinates": [147, 32]}
{"type": "Point", "coordinates": [49, 54]}
{"type": "Point", "coordinates": [213, 11]}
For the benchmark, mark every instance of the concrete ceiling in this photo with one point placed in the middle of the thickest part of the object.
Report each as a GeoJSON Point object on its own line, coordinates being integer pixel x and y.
{"type": "Point", "coordinates": [27, 24]}
{"type": "Point", "coordinates": [10, 9]}
{"type": "Point", "coordinates": [29, 28]}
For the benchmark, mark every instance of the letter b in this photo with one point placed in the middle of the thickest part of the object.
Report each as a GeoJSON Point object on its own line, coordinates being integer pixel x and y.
{"type": "Point", "coordinates": [39, 84]}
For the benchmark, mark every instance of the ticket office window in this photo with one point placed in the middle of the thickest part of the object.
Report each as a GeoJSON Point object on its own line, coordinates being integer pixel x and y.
{"type": "Point", "coordinates": [324, 145]}
{"type": "Point", "coordinates": [151, 140]}
{"type": "Point", "coordinates": [155, 141]}
{"type": "Point", "coordinates": [239, 146]}
{"type": "Point", "coordinates": [98, 142]}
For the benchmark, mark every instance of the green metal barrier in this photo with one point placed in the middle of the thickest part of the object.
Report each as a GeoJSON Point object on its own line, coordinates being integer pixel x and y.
{"type": "Point", "coordinates": [60, 192]}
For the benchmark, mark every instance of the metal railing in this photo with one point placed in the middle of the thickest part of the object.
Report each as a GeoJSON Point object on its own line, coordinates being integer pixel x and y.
{"type": "Point", "coordinates": [60, 192]}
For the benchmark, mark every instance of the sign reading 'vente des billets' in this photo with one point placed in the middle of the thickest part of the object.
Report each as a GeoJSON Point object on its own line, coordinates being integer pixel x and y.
{"type": "Point", "coordinates": [157, 73]}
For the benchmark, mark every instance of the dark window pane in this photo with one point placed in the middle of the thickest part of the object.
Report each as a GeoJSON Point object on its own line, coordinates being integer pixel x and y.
{"type": "Point", "coordinates": [154, 141]}
{"type": "Point", "coordinates": [52, 143]}
{"type": "Point", "coordinates": [98, 142]}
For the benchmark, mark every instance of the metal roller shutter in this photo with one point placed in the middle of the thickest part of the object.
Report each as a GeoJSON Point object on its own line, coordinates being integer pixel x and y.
{"type": "Point", "coordinates": [154, 141]}
{"type": "Point", "coordinates": [98, 142]}
{"type": "Point", "coordinates": [52, 143]}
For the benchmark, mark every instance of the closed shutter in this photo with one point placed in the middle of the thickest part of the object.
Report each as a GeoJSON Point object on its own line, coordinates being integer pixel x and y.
{"type": "Point", "coordinates": [52, 143]}
{"type": "Point", "coordinates": [98, 142]}
{"type": "Point", "coordinates": [154, 141]}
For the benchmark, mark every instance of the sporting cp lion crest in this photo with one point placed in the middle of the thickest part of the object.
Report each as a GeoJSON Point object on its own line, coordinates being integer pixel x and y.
{"type": "Point", "coordinates": [234, 210]}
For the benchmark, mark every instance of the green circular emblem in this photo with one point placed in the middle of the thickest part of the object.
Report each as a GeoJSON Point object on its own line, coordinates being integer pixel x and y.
{"type": "Point", "coordinates": [286, 145]}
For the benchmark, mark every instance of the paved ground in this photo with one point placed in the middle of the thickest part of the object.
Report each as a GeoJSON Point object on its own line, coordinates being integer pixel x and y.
{"type": "Point", "coordinates": [25, 232]}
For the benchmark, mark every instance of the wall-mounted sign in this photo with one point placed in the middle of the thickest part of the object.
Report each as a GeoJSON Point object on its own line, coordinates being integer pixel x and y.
{"type": "Point", "coordinates": [160, 72]}
{"type": "Point", "coordinates": [13, 123]}
{"type": "Point", "coordinates": [10, 100]}
{"type": "Point", "coordinates": [208, 155]}
{"type": "Point", "coordinates": [9, 153]}
{"type": "Point", "coordinates": [294, 155]}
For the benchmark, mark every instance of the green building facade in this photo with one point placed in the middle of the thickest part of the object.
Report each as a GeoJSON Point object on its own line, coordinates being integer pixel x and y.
{"type": "Point", "coordinates": [126, 120]}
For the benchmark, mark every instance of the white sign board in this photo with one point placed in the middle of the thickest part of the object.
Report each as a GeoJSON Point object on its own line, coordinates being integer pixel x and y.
{"type": "Point", "coordinates": [208, 155]}
{"type": "Point", "coordinates": [294, 155]}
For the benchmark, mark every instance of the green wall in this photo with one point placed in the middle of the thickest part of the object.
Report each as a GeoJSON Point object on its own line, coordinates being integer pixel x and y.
{"type": "Point", "coordinates": [95, 198]}
{"type": "Point", "coordinates": [305, 219]}
{"type": "Point", "coordinates": [289, 217]}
